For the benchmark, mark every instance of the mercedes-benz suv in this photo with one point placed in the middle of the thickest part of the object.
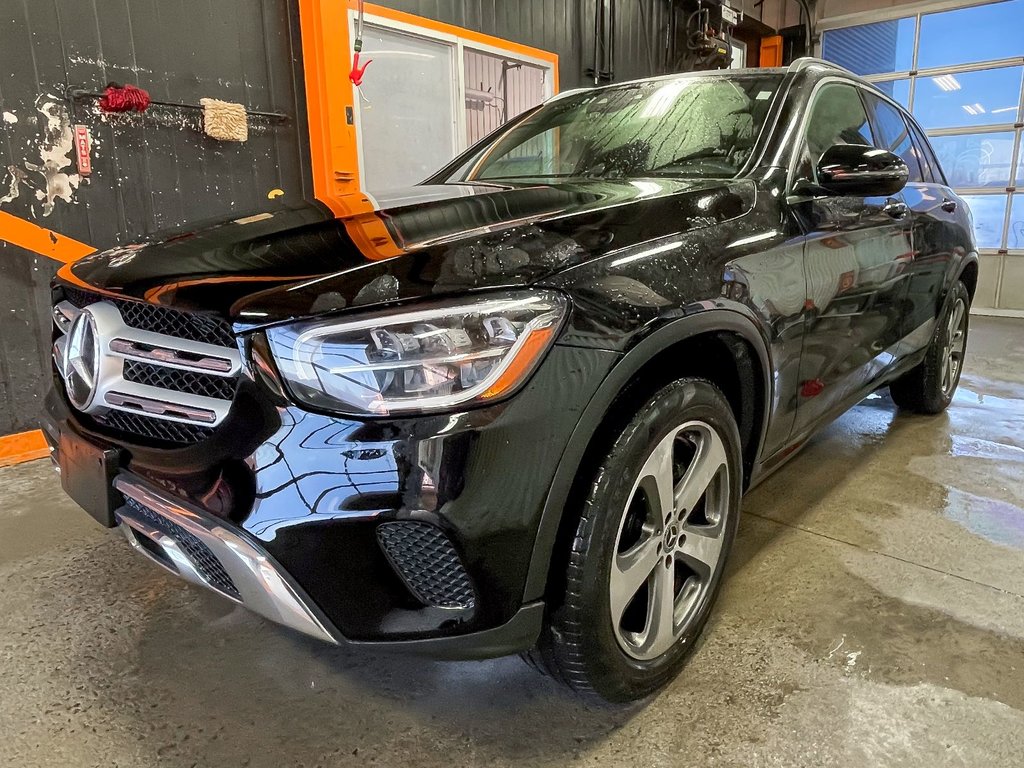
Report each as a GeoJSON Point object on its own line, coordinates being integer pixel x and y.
{"type": "Point", "coordinates": [514, 408]}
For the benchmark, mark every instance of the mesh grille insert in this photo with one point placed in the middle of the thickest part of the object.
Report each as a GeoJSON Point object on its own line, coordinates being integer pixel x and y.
{"type": "Point", "coordinates": [156, 430]}
{"type": "Point", "coordinates": [427, 562]}
{"type": "Point", "coordinates": [170, 322]}
{"type": "Point", "coordinates": [179, 381]}
{"type": "Point", "coordinates": [204, 560]}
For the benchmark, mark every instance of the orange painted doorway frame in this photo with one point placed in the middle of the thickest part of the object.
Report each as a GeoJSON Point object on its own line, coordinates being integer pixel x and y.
{"type": "Point", "coordinates": [330, 97]}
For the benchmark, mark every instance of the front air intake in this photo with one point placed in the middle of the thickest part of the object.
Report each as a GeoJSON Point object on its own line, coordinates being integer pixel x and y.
{"type": "Point", "coordinates": [427, 562]}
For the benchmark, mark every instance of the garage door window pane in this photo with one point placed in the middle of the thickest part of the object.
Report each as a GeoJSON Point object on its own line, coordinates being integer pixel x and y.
{"type": "Point", "coordinates": [870, 49]}
{"type": "Point", "coordinates": [897, 90]}
{"type": "Point", "coordinates": [1015, 237]}
{"type": "Point", "coordinates": [985, 97]}
{"type": "Point", "coordinates": [989, 213]}
{"type": "Point", "coordinates": [982, 33]}
{"type": "Point", "coordinates": [976, 160]}
{"type": "Point", "coordinates": [1020, 164]}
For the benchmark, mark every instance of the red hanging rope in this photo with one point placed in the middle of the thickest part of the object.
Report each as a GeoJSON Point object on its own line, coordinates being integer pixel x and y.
{"type": "Point", "coordinates": [123, 98]}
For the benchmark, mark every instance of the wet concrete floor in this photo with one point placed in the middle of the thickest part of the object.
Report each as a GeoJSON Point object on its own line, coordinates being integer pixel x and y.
{"type": "Point", "coordinates": [874, 616]}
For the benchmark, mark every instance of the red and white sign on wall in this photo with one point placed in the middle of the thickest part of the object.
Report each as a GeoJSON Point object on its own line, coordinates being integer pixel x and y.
{"type": "Point", "coordinates": [83, 147]}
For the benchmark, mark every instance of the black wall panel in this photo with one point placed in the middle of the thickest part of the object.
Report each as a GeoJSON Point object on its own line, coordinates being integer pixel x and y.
{"type": "Point", "coordinates": [150, 173]}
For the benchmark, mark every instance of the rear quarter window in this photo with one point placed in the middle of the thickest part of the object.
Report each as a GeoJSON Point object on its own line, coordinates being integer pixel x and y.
{"type": "Point", "coordinates": [930, 167]}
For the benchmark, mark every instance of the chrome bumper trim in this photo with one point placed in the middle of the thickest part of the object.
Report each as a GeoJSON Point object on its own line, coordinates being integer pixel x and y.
{"type": "Point", "coordinates": [167, 409]}
{"type": "Point", "coordinates": [261, 583]}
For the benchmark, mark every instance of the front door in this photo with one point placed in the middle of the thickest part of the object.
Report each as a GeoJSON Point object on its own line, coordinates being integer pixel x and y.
{"type": "Point", "coordinates": [856, 250]}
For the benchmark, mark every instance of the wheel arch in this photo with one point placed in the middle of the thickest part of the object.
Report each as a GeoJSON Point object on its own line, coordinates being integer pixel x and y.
{"type": "Point", "coordinates": [736, 358]}
{"type": "Point", "coordinates": [968, 274]}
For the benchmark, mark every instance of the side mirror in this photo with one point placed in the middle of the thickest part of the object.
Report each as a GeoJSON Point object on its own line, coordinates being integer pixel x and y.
{"type": "Point", "coordinates": [852, 169]}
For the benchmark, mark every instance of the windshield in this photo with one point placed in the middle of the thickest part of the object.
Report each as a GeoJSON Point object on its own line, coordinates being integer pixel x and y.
{"type": "Point", "coordinates": [700, 126]}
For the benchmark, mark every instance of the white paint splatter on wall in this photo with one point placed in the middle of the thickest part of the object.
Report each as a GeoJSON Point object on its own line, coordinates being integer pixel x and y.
{"type": "Point", "coordinates": [56, 152]}
{"type": "Point", "coordinates": [10, 118]}
{"type": "Point", "coordinates": [17, 176]}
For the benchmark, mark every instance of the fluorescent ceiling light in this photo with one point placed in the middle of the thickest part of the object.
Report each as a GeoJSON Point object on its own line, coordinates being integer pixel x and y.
{"type": "Point", "coordinates": [1004, 109]}
{"type": "Point", "coordinates": [947, 83]}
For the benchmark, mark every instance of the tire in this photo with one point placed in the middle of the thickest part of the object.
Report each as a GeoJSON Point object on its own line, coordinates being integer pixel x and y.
{"type": "Point", "coordinates": [930, 386]}
{"type": "Point", "coordinates": [686, 430]}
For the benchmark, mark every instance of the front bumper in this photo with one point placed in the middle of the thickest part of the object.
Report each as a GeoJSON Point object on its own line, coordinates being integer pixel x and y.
{"type": "Point", "coordinates": [204, 551]}
{"type": "Point", "coordinates": [291, 504]}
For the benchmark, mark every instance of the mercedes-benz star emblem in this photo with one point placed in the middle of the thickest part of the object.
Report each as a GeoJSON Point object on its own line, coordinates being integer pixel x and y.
{"type": "Point", "coordinates": [81, 364]}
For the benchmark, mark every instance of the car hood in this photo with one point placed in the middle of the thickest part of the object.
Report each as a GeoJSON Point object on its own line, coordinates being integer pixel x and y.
{"type": "Point", "coordinates": [425, 241]}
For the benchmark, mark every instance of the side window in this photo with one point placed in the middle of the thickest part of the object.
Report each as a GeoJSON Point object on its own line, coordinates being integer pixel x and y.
{"type": "Point", "coordinates": [892, 133]}
{"type": "Point", "coordinates": [927, 155]}
{"type": "Point", "coordinates": [837, 117]}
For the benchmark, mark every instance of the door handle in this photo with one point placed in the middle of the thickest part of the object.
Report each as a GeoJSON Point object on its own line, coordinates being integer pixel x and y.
{"type": "Point", "coordinates": [948, 205]}
{"type": "Point", "coordinates": [895, 208]}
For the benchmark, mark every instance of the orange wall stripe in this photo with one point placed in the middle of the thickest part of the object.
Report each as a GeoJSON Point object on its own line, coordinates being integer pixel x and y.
{"type": "Point", "coordinates": [23, 446]}
{"type": "Point", "coordinates": [45, 242]}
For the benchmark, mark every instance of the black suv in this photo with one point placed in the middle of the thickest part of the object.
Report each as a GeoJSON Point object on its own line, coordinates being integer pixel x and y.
{"type": "Point", "coordinates": [514, 408]}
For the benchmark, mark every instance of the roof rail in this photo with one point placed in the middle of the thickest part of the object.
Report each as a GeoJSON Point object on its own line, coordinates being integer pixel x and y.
{"type": "Point", "coordinates": [805, 62]}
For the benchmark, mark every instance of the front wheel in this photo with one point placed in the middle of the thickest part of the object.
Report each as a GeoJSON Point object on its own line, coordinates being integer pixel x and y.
{"type": "Point", "coordinates": [649, 547]}
{"type": "Point", "coordinates": [929, 387]}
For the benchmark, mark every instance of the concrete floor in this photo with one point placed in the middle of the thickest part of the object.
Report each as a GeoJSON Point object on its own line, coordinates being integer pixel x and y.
{"type": "Point", "coordinates": [874, 616]}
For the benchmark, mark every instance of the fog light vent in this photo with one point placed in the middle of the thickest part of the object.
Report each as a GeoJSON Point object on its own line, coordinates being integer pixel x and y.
{"type": "Point", "coordinates": [427, 562]}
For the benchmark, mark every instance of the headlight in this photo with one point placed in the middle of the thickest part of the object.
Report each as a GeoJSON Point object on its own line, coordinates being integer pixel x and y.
{"type": "Point", "coordinates": [467, 351]}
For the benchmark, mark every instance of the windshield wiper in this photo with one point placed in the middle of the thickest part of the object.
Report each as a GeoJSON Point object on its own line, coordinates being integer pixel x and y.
{"type": "Point", "coordinates": [703, 154]}
{"type": "Point", "coordinates": [485, 179]}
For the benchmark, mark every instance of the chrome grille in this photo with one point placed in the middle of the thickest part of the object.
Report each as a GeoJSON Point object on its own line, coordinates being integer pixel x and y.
{"type": "Point", "coordinates": [180, 381]}
{"type": "Point", "coordinates": [163, 320]}
{"type": "Point", "coordinates": [156, 430]}
{"type": "Point", "coordinates": [163, 375]}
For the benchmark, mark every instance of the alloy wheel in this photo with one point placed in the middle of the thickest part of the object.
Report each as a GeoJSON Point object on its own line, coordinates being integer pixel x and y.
{"type": "Point", "coordinates": [670, 540]}
{"type": "Point", "coordinates": [956, 339]}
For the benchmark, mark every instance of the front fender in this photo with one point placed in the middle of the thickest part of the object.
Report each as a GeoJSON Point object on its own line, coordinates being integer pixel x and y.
{"type": "Point", "coordinates": [638, 355]}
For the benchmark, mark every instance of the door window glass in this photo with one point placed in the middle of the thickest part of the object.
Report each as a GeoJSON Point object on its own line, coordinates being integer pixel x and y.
{"type": "Point", "coordinates": [894, 135]}
{"type": "Point", "coordinates": [837, 117]}
{"type": "Point", "coordinates": [929, 165]}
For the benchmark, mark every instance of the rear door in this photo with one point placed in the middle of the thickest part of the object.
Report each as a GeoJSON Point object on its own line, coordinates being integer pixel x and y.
{"type": "Point", "coordinates": [931, 208]}
{"type": "Point", "coordinates": [855, 253]}
{"type": "Point", "coordinates": [941, 227]}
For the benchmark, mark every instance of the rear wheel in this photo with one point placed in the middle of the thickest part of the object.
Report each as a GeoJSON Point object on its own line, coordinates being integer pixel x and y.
{"type": "Point", "coordinates": [929, 388]}
{"type": "Point", "coordinates": [649, 547]}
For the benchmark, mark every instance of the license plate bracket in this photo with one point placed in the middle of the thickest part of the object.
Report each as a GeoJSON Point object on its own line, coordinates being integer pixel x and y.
{"type": "Point", "coordinates": [87, 474]}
